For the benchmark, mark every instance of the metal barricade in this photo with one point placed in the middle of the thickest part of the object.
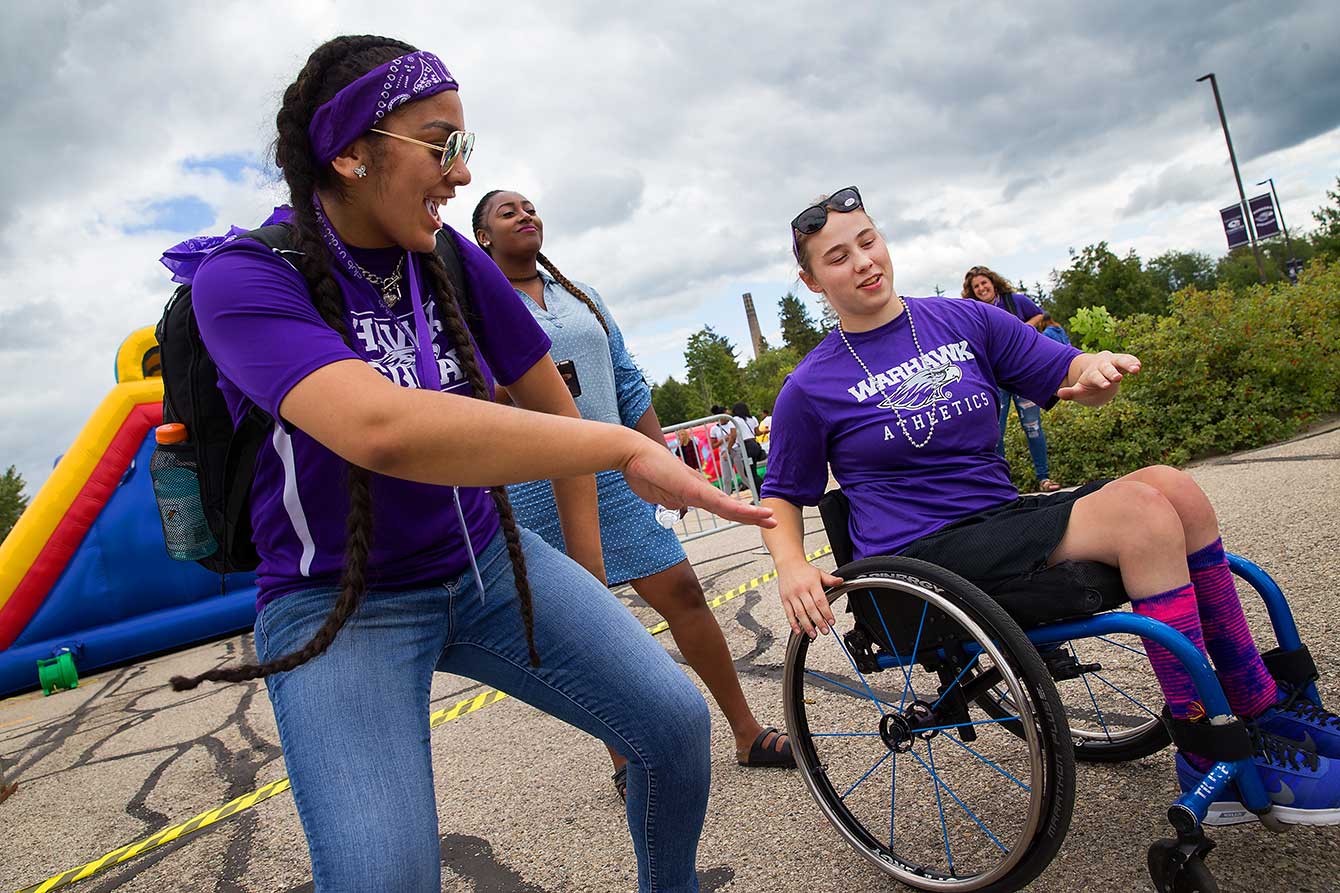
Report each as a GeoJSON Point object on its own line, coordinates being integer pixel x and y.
{"type": "Point", "coordinates": [728, 469]}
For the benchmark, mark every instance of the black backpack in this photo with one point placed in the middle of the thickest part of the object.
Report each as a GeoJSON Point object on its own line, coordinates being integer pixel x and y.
{"type": "Point", "coordinates": [225, 456]}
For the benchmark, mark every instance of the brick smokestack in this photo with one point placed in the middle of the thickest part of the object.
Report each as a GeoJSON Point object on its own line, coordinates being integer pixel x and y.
{"type": "Point", "coordinates": [755, 333]}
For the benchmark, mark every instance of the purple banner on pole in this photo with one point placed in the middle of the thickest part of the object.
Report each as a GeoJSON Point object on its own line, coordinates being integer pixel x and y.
{"type": "Point", "coordinates": [1235, 226]}
{"type": "Point", "coordinates": [1263, 216]}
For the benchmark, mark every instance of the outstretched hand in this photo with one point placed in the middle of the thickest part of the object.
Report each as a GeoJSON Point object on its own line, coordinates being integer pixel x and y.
{"type": "Point", "coordinates": [1095, 377]}
{"type": "Point", "coordinates": [657, 476]}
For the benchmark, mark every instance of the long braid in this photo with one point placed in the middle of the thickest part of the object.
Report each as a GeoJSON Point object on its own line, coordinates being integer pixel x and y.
{"type": "Point", "coordinates": [330, 67]}
{"type": "Point", "coordinates": [448, 309]}
{"type": "Point", "coordinates": [572, 289]}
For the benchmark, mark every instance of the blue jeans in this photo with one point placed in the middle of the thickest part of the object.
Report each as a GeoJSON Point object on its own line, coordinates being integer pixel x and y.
{"type": "Point", "coordinates": [354, 721]}
{"type": "Point", "coordinates": [1030, 418]}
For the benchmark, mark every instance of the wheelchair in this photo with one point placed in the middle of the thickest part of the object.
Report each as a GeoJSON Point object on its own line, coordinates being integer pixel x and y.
{"type": "Point", "coordinates": [985, 702]}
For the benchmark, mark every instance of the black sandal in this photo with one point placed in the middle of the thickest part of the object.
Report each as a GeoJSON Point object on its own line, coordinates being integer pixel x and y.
{"type": "Point", "coordinates": [768, 756]}
{"type": "Point", "coordinates": [621, 782]}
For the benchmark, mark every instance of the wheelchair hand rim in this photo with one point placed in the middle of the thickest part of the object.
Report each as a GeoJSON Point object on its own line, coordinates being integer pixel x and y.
{"type": "Point", "coordinates": [797, 723]}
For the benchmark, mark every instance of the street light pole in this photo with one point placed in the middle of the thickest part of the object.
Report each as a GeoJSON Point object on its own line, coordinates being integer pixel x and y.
{"type": "Point", "coordinates": [1288, 245]}
{"type": "Point", "coordinates": [1233, 159]}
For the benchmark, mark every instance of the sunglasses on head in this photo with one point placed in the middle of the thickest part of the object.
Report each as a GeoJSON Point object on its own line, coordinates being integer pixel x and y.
{"type": "Point", "coordinates": [459, 145]}
{"type": "Point", "coordinates": [813, 218]}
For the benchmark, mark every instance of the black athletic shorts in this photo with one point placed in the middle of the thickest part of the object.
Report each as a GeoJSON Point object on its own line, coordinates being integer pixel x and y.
{"type": "Point", "coordinates": [1003, 542]}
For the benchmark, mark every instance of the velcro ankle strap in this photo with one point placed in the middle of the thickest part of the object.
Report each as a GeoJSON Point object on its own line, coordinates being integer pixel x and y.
{"type": "Point", "coordinates": [1294, 668]}
{"type": "Point", "coordinates": [1225, 743]}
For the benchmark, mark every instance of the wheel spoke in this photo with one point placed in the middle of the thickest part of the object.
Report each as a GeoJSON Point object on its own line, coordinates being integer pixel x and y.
{"type": "Point", "coordinates": [888, 636]}
{"type": "Point", "coordinates": [1100, 678]}
{"type": "Point", "coordinates": [951, 685]}
{"type": "Point", "coordinates": [844, 735]}
{"type": "Point", "coordinates": [1096, 709]}
{"type": "Point", "coordinates": [866, 695]}
{"type": "Point", "coordinates": [935, 783]}
{"type": "Point", "coordinates": [975, 722]}
{"type": "Point", "coordinates": [1117, 644]}
{"type": "Point", "coordinates": [940, 782]}
{"type": "Point", "coordinates": [878, 763]}
{"type": "Point", "coordinates": [988, 761]}
{"type": "Point", "coordinates": [916, 646]}
{"type": "Point", "coordinates": [851, 660]}
{"type": "Point", "coordinates": [893, 795]}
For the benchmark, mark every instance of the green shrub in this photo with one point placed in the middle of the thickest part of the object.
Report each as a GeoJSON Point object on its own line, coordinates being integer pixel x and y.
{"type": "Point", "coordinates": [1223, 371]}
{"type": "Point", "coordinates": [1093, 328]}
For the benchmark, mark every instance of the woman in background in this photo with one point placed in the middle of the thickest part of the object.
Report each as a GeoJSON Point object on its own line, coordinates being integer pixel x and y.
{"type": "Point", "coordinates": [589, 350]}
{"type": "Point", "coordinates": [990, 287]}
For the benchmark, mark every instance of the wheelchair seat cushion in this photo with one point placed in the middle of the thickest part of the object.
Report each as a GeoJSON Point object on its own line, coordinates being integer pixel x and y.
{"type": "Point", "coordinates": [1063, 591]}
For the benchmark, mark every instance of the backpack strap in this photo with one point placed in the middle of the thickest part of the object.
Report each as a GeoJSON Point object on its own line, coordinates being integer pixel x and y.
{"type": "Point", "coordinates": [249, 434]}
{"type": "Point", "coordinates": [1008, 298]}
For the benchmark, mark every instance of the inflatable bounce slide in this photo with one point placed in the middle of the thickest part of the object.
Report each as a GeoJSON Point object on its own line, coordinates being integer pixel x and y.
{"type": "Point", "coordinates": [84, 572]}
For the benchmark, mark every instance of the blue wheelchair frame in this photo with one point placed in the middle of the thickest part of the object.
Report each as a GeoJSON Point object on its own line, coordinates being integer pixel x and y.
{"type": "Point", "coordinates": [1197, 801]}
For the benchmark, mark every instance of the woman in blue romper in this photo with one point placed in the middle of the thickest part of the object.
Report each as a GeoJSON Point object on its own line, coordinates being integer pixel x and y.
{"type": "Point", "coordinates": [608, 386]}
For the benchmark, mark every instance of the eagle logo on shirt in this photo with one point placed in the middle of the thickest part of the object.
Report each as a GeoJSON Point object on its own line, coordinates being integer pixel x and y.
{"type": "Point", "coordinates": [926, 388]}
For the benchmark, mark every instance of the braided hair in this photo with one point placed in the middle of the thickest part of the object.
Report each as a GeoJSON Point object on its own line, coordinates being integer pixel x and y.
{"type": "Point", "coordinates": [477, 223]}
{"type": "Point", "coordinates": [332, 66]}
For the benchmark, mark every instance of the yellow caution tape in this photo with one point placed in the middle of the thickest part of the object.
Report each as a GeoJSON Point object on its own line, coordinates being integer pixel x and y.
{"type": "Point", "coordinates": [274, 788]}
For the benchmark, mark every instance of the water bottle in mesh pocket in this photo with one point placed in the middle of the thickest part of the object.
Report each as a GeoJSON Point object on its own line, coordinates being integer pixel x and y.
{"type": "Point", "coordinates": [186, 531]}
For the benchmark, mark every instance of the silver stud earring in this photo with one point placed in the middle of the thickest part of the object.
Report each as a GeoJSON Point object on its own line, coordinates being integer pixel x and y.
{"type": "Point", "coordinates": [361, 171]}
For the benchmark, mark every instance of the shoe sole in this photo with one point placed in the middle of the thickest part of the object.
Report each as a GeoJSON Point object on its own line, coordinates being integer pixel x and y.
{"type": "Point", "coordinates": [1224, 813]}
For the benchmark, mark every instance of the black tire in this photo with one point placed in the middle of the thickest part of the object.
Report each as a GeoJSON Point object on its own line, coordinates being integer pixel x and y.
{"type": "Point", "coordinates": [1000, 646]}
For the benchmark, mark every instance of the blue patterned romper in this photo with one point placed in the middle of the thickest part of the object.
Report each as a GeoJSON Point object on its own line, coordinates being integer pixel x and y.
{"type": "Point", "coordinates": [613, 390]}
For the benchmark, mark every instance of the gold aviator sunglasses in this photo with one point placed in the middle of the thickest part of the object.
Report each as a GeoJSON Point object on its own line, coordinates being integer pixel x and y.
{"type": "Point", "coordinates": [459, 145]}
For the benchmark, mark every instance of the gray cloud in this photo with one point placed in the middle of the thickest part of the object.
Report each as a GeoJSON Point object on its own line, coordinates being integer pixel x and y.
{"type": "Point", "coordinates": [1182, 184]}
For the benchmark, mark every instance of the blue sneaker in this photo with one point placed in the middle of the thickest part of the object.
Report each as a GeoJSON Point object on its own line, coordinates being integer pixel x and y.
{"type": "Point", "coordinates": [1300, 720]}
{"type": "Point", "coordinates": [1303, 787]}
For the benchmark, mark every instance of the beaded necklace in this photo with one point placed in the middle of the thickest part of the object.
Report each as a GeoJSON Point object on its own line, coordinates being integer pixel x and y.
{"type": "Point", "coordinates": [921, 354]}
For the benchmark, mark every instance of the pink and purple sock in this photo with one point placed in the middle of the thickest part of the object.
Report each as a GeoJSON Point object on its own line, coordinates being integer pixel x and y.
{"type": "Point", "coordinates": [1247, 683]}
{"type": "Point", "coordinates": [1176, 608]}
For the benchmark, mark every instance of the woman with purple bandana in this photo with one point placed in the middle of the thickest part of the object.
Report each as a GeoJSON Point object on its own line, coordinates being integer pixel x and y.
{"type": "Point", "coordinates": [388, 549]}
{"type": "Point", "coordinates": [900, 401]}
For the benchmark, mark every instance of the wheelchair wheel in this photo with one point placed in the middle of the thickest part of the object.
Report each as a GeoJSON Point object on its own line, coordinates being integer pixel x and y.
{"type": "Point", "coordinates": [894, 745]}
{"type": "Point", "coordinates": [1110, 697]}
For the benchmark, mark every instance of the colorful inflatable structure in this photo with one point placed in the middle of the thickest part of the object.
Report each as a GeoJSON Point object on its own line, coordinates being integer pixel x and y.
{"type": "Point", "coordinates": [84, 572]}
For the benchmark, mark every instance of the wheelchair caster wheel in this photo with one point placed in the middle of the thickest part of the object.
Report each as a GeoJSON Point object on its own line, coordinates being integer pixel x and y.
{"type": "Point", "coordinates": [1173, 870]}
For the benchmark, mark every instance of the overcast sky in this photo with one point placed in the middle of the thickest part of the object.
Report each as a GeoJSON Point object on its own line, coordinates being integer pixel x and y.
{"type": "Point", "coordinates": [666, 145]}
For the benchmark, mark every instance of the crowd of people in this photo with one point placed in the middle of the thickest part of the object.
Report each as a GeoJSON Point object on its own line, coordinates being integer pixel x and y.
{"type": "Point", "coordinates": [412, 514]}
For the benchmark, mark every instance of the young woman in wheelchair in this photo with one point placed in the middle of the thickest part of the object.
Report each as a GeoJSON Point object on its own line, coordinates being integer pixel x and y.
{"type": "Point", "coordinates": [901, 401]}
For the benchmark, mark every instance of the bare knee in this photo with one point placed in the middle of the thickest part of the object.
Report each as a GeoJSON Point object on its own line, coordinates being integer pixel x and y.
{"type": "Point", "coordinates": [1199, 522]}
{"type": "Point", "coordinates": [1143, 521]}
{"type": "Point", "coordinates": [673, 593]}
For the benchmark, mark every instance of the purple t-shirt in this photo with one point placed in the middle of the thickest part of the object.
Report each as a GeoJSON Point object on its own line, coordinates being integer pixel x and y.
{"type": "Point", "coordinates": [258, 321]}
{"type": "Point", "coordinates": [830, 412]}
{"type": "Point", "coordinates": [1023, 304]}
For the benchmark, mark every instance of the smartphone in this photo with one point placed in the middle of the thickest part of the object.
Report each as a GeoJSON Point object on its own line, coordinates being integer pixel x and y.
{"type": "Point", "coordinates": [568, 369]}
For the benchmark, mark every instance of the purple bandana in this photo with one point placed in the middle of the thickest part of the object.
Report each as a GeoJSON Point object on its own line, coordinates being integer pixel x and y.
{"type": "Point", "coordinates": [360, 106]}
